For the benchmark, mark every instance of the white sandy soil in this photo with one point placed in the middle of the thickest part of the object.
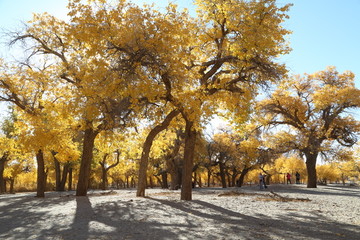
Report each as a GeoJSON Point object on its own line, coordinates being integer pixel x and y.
{"type": "Point", "coordinates": [327, 212]}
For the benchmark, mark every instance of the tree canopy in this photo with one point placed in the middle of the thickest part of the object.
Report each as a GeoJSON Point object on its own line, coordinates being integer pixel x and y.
{"type": "Point", "coordinates": [315, 108]}
{"type": "Point", "coordinates": [103, 85]}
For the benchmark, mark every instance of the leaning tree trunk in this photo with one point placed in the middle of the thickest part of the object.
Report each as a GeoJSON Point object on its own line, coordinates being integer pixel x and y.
{"type": "Point", "coordinates": [86, 159]}
{"type": "Point", "coordinates": [144, 161]}
{"type": "Point", "coordinates": [242, 176]}
{"type": "Point", "coordinates": [41, 176]}
{"type": "Point", "coordinates": [188, 162]}
{"type": "Point", "coordinates": [311, 169]}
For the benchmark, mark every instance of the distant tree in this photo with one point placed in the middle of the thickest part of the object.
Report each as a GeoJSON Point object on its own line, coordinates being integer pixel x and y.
{"type": "Point", "coordinates": [315, 108]}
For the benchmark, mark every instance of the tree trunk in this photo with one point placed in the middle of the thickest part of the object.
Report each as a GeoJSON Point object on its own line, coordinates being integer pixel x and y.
{"type": "Point", "coordinates": [105, 170]}
{"type": "Point", "coordinates": [188, 162]}
{"type": "Point", "coordinates": [103, 177]}
{"type": "Point", "coordinates": [165, 184]}
{"type": "Point", "coordinates": [228, 178]}
{"type": "Point", "coordinates": [311, 169]}
{"type": "Point", "coordinates": [40, 189]}
{"type": "Point", "coordinates": [3, 160]}
{"type": "Point", "coordinates": [222, 173]}
{"type": "Point", "coordinates": [57, 172]}
{"type": "Point", "coordinates": [151, 183]}
{"type": "Point", "coordinates": [144, 161]}
{"type": "Point", "coordinates": [70, 179]}
{"type": "Point", "coordinates": [86, 159]}
{"type": "Point", "coordinates": [194, 179]}
{"type": "Point", "coordinates": [233, 178]}
{"type": "Point", "coordinates": [60, 177]}
{"type": "Point", "coordinates": [209, 176]}
{"type": "Point", "coordinates": [2, 180]}
{"type": "Point", "coordinates": [175, 176]}
{"type": "Point", "coordinates": [12, 181]}
{"type": "Point", "coordinates": [242, 176]}
{"type": "Point", "coordinates": [63, 177]}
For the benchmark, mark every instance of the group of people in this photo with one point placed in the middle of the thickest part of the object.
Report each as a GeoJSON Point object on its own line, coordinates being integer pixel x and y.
{"type": "Point", "coordinates": [297, 177]}
{"type": "Point", "coordinates": [262, 179]}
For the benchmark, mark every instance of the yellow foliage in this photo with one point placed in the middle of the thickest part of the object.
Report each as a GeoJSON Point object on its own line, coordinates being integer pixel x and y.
{"type": "Point", "coordinates": [327, 173]}
{"type": "Point", "coordinates": [82, 69]}
{"type": "Point", "coordinates": [290, 165]}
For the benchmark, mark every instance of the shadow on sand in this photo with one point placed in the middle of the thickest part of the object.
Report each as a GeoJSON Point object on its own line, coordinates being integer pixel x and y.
{"type": "Point", "coordinates": [27, 217]}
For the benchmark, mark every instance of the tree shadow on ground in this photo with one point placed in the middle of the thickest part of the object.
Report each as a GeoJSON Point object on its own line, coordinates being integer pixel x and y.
{"type": "Point", "coordinates": [301, 189]}
{"type": "Point", "coordinates": [155, 218]}
{"type": "Point", "coordinates": [115, 220]}
{"type": "Point", "coordinates": [291, 225]}
{"type": "Point", "coordinates": [19, 216]}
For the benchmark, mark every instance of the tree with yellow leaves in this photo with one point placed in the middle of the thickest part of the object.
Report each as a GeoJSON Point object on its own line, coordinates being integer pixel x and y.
{"type": "Point", "coordinates": [315, 110]}
{"type": "Point", "coordinates": [12, 154]}
{"type": "Point", "coordinates": [217, 60]}
{"type": "Point", "coordinates": [107, 146]}
{"type": "Point", "coordinates": [109, 60]}
{"type": "Point", "coordinates": [74, 65]}
{"type": "Point", "coordinates": [288, 164]}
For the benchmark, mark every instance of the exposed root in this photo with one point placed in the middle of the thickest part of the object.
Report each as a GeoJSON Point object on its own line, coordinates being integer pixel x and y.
{"type": "Point", "coordinates": [235, 193]}
{"type": "Point", "coordinates": [277, 197]}
{"type": "Point", "coordinates": [265, 197]}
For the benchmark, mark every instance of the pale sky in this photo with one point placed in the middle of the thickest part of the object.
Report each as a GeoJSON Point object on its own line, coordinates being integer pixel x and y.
{"type": "Point", "coordinates": [325, 32]}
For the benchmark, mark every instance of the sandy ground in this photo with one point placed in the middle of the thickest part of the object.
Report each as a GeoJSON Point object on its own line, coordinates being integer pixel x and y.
{"type": "Point", "coordinates": [328, 212]}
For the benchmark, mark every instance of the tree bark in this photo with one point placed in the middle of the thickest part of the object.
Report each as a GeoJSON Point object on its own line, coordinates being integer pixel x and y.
{"type": "Point", "coordinates": [57, 172]}
{"type": "Point", "coordinates": [233, 177]}
{"type": "Point", "coordinates": [64, 177]}
{"type": "Point", "coordinates": [12, 181]}
{"type": "Point", "coordinates": [41, 182]}
{"type": "Point", "coordinates": [164, 184]}
{"type": "Point", "coordinates": [60, 177]}
{"type": "Point", "coordinates": [188, 162]}
{"type": "Point", "coordinates": [104, 181]}
{"type": "Point", "coordinates": [175, 176]}
{"type": "Point", "coordinates": [70, 179]}
{"type": "Point", "coordinates": [86, 159]}
{"type": "Point", "coordinates": [311, 169]}
{"type": "Point", "coordinates": [105, 169]}
{"type": "Point", "coordinates": [2, 180]}
{"type": "Point", "coordinates": [222, 173]}
{"type": "Point", "coordinates": [242, 176]}
{"type": "Point", "coordinates": [209, 172]}
{"type": "Point", "coordinates": [3, 160]}
{"type": "Point", "coordinates": [144, 161]}
{"type": "Point", "coordinates": [104, 172]}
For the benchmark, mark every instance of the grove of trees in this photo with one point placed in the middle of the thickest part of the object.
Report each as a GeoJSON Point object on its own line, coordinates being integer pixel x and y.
{"type": "Point", "coordinates": [122, 94]}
